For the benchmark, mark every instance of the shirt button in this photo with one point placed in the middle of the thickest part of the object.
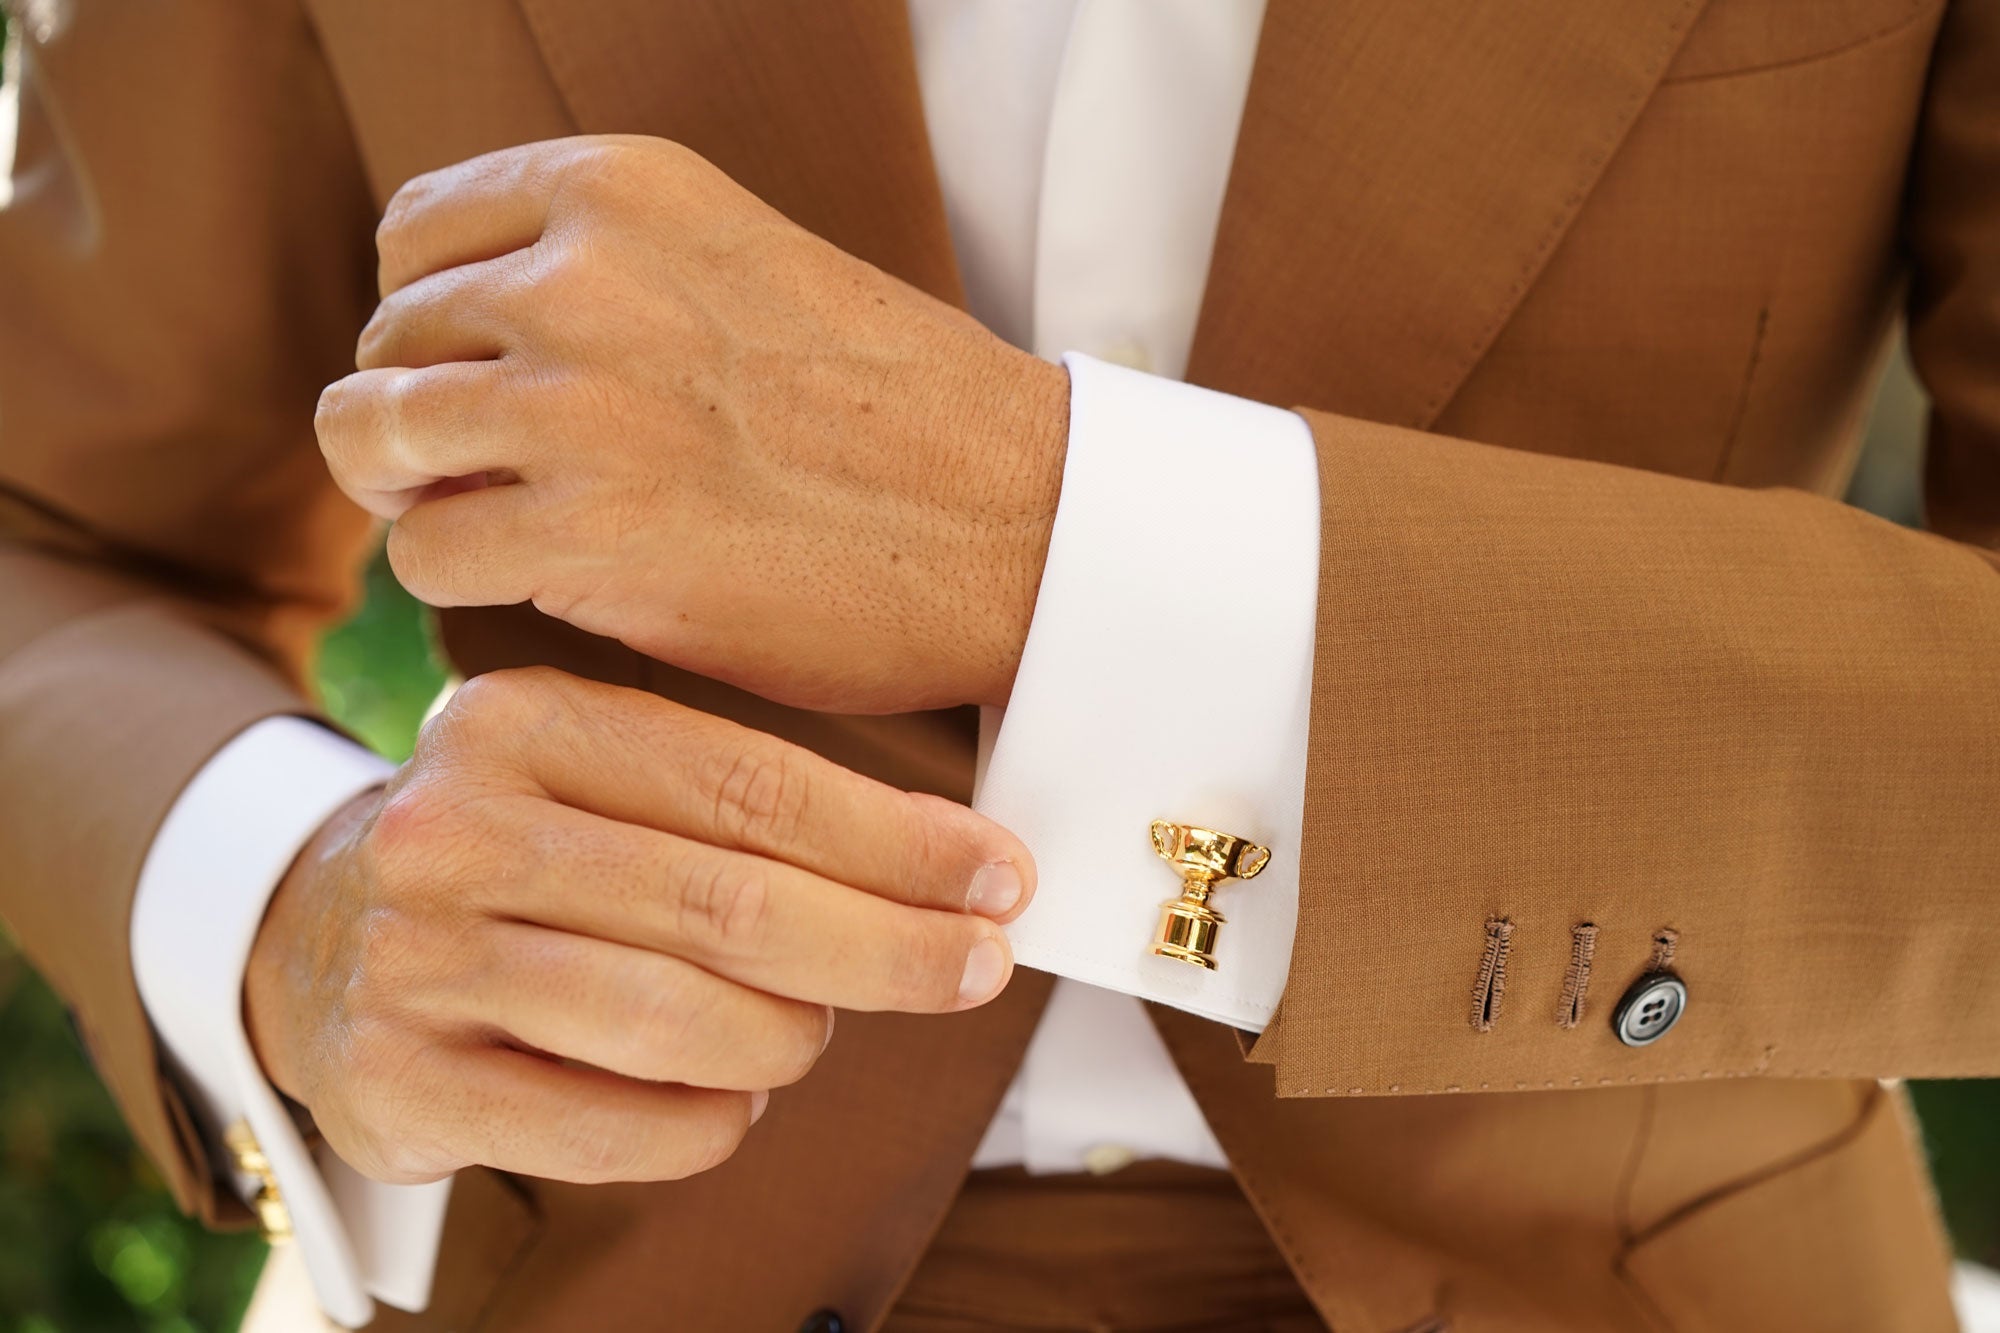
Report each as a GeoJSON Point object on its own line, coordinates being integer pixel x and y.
{"type": "Point", "coordinates": [1650, 1009]}
{"type": "Point", "coordinates": [1127, 352]}
{"type": "Point", "coordinates": [824, 1321]}
{"type": "Point", "coordinates": [1104, 1158]}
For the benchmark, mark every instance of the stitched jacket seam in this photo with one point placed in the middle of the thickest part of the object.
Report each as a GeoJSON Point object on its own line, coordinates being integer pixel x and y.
{"type": "Point", "coordinates": [1853, 44]}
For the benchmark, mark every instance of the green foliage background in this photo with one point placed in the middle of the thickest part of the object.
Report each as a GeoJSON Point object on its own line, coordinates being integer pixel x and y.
{"type": "Point", "coordinates": [90, 1242]}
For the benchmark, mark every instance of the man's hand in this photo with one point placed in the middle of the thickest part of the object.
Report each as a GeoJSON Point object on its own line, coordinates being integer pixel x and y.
{"type": "Point", "coordinates": [606, 379]}
{"type": "Point", "coordinates": [584, 930]}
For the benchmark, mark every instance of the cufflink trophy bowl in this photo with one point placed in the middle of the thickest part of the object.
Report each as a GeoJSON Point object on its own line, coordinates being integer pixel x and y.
{"type": "Point", "coordinates": [1203, 858]}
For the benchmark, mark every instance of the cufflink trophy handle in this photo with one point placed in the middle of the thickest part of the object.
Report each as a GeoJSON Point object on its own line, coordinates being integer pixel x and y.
{"type": "Point", "coordinates": [1203, 858]}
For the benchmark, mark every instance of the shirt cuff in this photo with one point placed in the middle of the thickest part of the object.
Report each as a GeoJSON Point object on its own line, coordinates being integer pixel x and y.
{"type": "Point", "coordinates": [212, 868]}
{"type": "Point", "coordinates": [1167, 674]}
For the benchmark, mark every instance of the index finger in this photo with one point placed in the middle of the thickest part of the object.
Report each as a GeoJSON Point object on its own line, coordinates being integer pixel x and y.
{"type": "Point", "coordinates": [475, 210]}
{"type": "Point", "coordinates": [640, 759]}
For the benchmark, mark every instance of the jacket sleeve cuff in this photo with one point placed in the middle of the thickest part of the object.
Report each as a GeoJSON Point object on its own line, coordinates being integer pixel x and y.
{"type": "Point", "coordinates": [1167, 675]}
{"type": "Point", "coordinates": [219, 855]}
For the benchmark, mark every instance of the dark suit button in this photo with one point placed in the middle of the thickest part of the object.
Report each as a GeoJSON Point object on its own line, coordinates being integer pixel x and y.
{"type": "Point", "coordinates": [824, 1321]}
{"type": "Point", "coordinates": [1650, 1009]}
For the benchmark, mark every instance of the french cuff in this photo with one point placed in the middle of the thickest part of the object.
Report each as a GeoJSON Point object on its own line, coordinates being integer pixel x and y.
{"type": "Point", "coordinates": [1167, 675]}
{"type": "Point", "coordinates": [211, 870]}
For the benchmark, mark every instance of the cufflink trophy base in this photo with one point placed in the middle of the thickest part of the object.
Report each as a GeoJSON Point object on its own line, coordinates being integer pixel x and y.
{"type": "Point", "coordinates": [1203, 858]}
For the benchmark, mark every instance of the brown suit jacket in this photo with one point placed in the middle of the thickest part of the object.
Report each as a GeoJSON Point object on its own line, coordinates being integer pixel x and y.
{"type": "Point", "coordinates": [1626, 661]}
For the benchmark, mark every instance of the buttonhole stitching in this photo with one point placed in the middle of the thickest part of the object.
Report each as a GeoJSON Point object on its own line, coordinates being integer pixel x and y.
{"type": "Point", "coordinates": [1490, 986]}
{"type": "Point", "coordinates": [1576, 981]}
{"type": "Point", "coordinates": [1665, 940]}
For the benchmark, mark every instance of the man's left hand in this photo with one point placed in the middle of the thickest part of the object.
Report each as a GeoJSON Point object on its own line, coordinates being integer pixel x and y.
{"type": "Point", "coordinates": [606, 379]}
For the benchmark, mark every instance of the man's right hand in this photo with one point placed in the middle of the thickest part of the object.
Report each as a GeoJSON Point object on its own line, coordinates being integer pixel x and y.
{"type": "Point", "coordinates": [584, 930]}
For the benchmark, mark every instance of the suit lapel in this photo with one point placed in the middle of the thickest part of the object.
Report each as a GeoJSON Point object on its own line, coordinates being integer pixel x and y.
{"type": "Point", "coordinates": [1403, 171]}
{"type": "Point", "coordinates": [812, 106]}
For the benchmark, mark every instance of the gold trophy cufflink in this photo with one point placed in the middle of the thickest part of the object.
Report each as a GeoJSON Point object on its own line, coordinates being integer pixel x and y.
{"type": "Point", "coordinates": [273, 1218]}
{"type": "Point", "coordinates": [1203, 858]}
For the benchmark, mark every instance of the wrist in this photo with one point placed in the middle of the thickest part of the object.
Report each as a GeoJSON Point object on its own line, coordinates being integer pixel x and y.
{"type": "Point", "coordinates": [277, 980]}
{"type": "Point", "coordinates": [1028, 433]}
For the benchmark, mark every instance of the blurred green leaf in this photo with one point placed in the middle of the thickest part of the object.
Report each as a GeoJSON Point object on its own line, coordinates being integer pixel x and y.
{"type": "Point", "coordinates": [380, 672]}
{"type": "Point", "coordinates": [1961, 1124]}
{"type": "Point", "coordinates": [90, 1241]}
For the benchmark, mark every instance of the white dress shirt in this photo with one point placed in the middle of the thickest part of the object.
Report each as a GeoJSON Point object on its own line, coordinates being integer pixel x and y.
{"type": "Point", "coordinates": [1083, 147]}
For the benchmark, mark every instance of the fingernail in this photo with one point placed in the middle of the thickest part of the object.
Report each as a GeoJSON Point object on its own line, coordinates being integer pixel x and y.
{"type": "Point", "coordinates": [829, 1031]}
{"type": "Point", "coordinates": [995, 889]}
{"type": "Point", "coordinates": [758, 1101]}
{"type": "Point", "coordinates": [984, 967]}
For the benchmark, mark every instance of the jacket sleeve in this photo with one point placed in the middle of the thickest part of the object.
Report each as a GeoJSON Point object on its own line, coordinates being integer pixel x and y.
{"type": "Point", "coordinates": [1575, 723]}
{"type": "Point", "coordinates": [185, 258]}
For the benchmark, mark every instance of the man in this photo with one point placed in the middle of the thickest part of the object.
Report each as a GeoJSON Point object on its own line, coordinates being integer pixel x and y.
{"type": "Point", "coordinates": [1616, 785]}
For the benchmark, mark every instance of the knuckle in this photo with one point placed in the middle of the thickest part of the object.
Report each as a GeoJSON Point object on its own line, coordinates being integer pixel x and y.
{"type": "Point", "coordinates": [724, 904]}
{"type": "Point", "coordinates": [408, 824]}
{"type": "Point", "coordinates": [382, 1077]}
{"type": "Point", "coordinates": [457, 736]}
{"type": "Point", "coordinates": [794, 1058]}
{"type": "Point", "coordinates": [422, 571]}
{"type": "Point", "coordinates": [380, 338]}
{"type": "Point", "coordinates": [487, 700]}
{"type": "Point", "coordinates": [557, 602]}
{"type": "Point", "coordinates": [565, 276]}
{"type": "Point", "coordinates": [938, 868]}
{"type": "Point", "coordinates": [337, 424]}
{"type": "Point", "coordinates": [393, 231]}
{"type": "Point", "coordinates": [672, 153]}
{"type": "Point", "coordinates": [762, 796]}
{"type": "Point", "coordinates": [384, 1105]}
{"type": "Point", "coordinates": [427, 837]}
{"type": "Point", "coordinates": [333, 401]}
{"type": "Point", "coordinates": [503, 702]}
{"type": "Point", "coordinates": [595, 173]}
{"type": "Point", "coordinates": [604, 1150]}
{"type": "Point", "coordinates": [396, 1161]}
{"type": "Point", "coordinates": [669, 1023]}
{"type": "Point", "coordinates": [935, 964]}
{"type": "Point", "coordinates": [500, 717]}
{"type": "Point", "coordinates": [380, 1151]}
{"type": "Point", "coordinates": [442, 738]}
{"type": "Point", "coordinates": [407, 403]}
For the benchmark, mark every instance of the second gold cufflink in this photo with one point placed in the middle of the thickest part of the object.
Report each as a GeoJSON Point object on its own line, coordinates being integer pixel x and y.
{"type": "Point", "coordinates": [273, 1218]}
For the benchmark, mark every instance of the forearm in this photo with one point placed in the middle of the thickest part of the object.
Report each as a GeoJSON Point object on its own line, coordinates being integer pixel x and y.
{"type": "Point", "coordinates": [105, 678]}
{"type": "Point", "coordinates": [1557, 694]}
